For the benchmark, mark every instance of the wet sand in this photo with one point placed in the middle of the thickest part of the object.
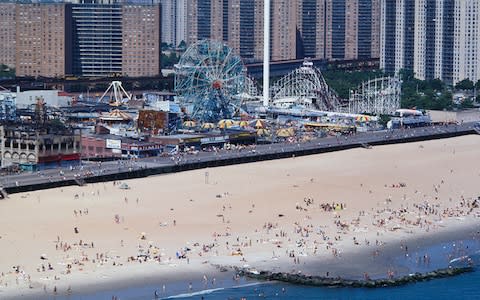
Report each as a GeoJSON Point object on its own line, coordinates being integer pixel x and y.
{"type": "Point", "coordinates": [286, 214]}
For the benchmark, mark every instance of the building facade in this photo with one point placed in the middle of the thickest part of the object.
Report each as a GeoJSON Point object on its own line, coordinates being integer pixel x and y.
{"type": "Point", "coordinates": [340, 29]}
{"type": "Point", "coordinates": [433, 38]}
{"type": "Point", "coordinates": [89, 38]}
{"type": "Point", "coordinates": [7, 34]}
{"type": "Point", "coordinates": [42, 42]}
{"type": "Point", "coordinates": [97, 39]}
{"type": "Point", "coordinates": [37, 148]}
{"type": "Point", "coordinates": [329, 29]}
{"type": "Point", "coordinates": [141, 36]}
{"type": "Point", "coordinates": [174, 21]}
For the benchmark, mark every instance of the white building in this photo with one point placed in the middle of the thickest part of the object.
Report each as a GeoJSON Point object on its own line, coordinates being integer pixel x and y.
{"type": "Point", "coordinates": [433, 38]}
{"type": "Point", "coordinates": [174, 21]}
{"type": "Point", "coordinates": [28, 99]}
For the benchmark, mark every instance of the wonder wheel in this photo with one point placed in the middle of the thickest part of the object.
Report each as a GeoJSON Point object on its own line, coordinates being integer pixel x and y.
{"type": "Point", "coordinates": [208, 76]}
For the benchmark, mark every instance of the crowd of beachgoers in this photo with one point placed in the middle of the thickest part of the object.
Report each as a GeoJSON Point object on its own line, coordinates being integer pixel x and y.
{"type": "Point", "coordinates": [238, 217]}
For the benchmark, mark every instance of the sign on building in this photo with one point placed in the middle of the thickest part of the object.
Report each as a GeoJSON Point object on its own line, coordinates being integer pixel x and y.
{"type": "Point", "coordinates": [113, 144]}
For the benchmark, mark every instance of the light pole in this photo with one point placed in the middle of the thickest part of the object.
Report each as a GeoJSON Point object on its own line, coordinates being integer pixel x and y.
{"type": "Point", "coordinates": [266, 52]}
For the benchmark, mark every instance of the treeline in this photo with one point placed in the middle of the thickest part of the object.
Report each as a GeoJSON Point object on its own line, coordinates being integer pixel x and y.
{"type": "Point", "coordinates": [6, 72]}
{"type": "Point", "coordinates": [420, 94]}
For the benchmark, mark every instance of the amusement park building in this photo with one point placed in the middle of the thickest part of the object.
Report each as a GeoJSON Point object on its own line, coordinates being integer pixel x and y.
{"type": "Point", "coordinates": [325, 29]}
{"type": "Point", "coordinates": [35, 148]}
{"type": "Point", "coordinates": [81, 38]}
{"type": "Point", "coordinates": [433, 38]}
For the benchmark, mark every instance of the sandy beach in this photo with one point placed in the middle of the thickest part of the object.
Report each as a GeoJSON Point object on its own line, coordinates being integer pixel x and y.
{"type": "Point", "coordinates": [311, 214]}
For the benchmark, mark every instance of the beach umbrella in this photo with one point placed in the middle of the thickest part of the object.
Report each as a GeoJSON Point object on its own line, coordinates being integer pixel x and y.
{"type": "Point", "coordinates": [225, 123]}
{"type": "Point", "coordinates": [362, 118]}
{"type": "Point", "coordinates": [263, 132]}
{"type": "Point", "coordinates": [189, 124]}
{"type": "Point", "coordinates": [258, 124]}
{"type": "Point", "coordinates": [208, 125]}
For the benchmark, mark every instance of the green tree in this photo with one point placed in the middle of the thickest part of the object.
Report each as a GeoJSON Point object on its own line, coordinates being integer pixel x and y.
{"type": "Point", "coordinates": [6, 72]}
{"type": "Point", "coordinates": [182, 45]}
{"type": "Point", "coordinates": [406, 75]}
{"type": "Point", "coordinates": [168, 60]}
{"type": "Point", "coordinates": [467, 103]}
{"type": "Point", "coordinates": [383, 120]}
{"type": "Point", "coordinates": [465, 84]}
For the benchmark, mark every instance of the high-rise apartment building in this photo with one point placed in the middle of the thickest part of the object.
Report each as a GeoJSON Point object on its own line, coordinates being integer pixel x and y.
{"type": "Point", "coordinates": [239, 23]}
{"type": "Point", "coordinates": [7, 34]}
{"type": "Point", "coordinates": [340, 29]}
{"type": "Point", "coordinates": [330, 29]}
{"type": "Point", "coordinates": [433, 38]}
{"type": "Point", "coordinates": [283, 33]}
{"type": "Point", "coordinates": [114, 39]}
{"type": "Point", "coordinates": [42, 42]}
{"type": "Point", "coordinates": [92, 38]}
{"type": "Point", "coordinates": [141, 31]}
{"type": "Point", "coordinates": [98, 39]}
{"type": "Point", "coordinates": [174, 21]}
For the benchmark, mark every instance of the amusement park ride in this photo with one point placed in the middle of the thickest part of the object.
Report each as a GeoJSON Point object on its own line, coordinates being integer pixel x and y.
{"type": "Point", "coordinates": [211, 82]}
{"type": "Point", "coordinates": [207, 78]}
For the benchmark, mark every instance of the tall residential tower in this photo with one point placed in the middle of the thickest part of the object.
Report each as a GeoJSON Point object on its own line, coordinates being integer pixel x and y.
{"type": "Point", "coordinates": [433, 38]}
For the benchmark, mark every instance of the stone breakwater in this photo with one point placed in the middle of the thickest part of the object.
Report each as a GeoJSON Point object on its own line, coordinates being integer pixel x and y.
{"type": "Point", "coordinates": [340, 282]}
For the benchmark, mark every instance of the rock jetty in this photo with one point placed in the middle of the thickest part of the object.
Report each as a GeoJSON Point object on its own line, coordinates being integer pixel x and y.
{"type": "Point", "coordinates": [341, 282]}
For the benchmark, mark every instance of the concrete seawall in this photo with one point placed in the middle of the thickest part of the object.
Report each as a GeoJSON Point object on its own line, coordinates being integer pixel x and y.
{"type": "Point", "coordinates": [249, 157]}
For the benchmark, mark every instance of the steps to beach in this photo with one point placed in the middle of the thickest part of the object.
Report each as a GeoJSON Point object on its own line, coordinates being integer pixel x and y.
{"type": "Point", "coordinates": [3, 194]}
{"type": "Point", "coordinates": [366, 146]}
{"type": "Point", "coordinates": [80, 181]}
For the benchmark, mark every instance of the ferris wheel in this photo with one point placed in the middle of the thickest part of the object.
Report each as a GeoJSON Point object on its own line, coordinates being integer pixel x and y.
{"type": "Point", "coordinates": [207, 77]}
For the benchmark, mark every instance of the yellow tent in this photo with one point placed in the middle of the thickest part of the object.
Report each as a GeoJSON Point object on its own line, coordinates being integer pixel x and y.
{"type": "Point", "coordinates": [362, 118]}
{"type": "Point", "coordinates": [258, 124]}
{"type": "Point", "coordinates": [225, 123]}
{"type": "Point", "coordinates": [208, 125]}
{"type": "Point", "coordinates": [285, 132]}
{"type": "Point", "coordinates": [189, 124]}
{"type": "Point", "coordinates": [263, 132]}
{"type": "Point", "coordinates": [243, 124]}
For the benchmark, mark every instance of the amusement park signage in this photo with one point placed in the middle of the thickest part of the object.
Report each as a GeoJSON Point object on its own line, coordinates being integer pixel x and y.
{"type": "Point", "coordinates": [113, 144]}
{"type": "Point", "coordinates": [213, 140]}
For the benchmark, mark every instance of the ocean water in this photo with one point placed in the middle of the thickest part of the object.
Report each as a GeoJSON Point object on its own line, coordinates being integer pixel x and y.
{"type": "Point", "coordinates": [440, 255]}
{"type": "Point", "coordinates": [460, 287]}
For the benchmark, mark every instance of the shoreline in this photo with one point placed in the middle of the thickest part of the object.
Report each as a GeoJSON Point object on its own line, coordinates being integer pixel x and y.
{"type": "Point", "coordinates": [344, 213]}
{"type": "Point", "coordinates": [177, 278]}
